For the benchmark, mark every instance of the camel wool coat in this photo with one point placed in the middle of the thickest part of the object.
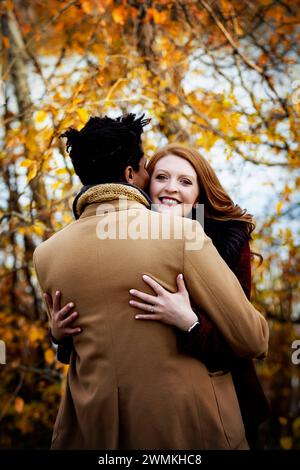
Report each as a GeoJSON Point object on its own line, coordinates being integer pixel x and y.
{"type": "Point", "coordinates": [129, 386]}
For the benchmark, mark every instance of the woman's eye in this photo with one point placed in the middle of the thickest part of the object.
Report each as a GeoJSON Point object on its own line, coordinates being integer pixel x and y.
{"type": "Point", "coordinates": [186, 182]}
{"type": "Point", "coordinates": [160, 177]}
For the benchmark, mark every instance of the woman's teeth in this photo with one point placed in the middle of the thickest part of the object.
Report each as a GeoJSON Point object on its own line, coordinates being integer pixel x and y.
{"type": "Point", "coordinates": [170, 202]}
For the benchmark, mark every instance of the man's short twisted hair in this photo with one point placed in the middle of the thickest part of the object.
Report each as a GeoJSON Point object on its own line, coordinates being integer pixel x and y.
{"type": "Point", "coordinates": [104, 147]}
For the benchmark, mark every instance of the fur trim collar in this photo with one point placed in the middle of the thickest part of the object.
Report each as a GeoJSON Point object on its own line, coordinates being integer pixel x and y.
{"type": "Point", "coordinates": [108, 192]}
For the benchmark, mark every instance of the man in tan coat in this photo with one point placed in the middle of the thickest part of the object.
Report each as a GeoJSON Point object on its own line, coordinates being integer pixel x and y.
{"type": "Point", "coordinates": [129, 385]}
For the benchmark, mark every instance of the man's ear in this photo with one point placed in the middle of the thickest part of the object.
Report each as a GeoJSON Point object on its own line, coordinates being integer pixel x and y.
{"type": "Point", "coordinates": [128, 174]}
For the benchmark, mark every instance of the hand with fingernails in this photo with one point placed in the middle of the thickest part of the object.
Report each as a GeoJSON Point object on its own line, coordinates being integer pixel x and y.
{"type": "Point", "coordinates": [62, 318]}
{"type": "Point", "coordinates": [170, 308]}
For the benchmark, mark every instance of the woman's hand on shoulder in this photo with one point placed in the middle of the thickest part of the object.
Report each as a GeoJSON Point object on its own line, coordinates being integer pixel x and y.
{"type": "Point", "coordinates": [62, 318]}
{"type": "Point", "coordinates": [170, 308]}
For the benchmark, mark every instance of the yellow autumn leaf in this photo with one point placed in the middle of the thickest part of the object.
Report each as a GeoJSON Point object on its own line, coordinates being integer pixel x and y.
{"type": "Point", "coordinates": [33, 334]}
{"type": "Point", "coordinates": [49, 356]}
{"type": "Point", "coordinates": [67, 218]}
{"type": "Point", "coordinates": [32, 171]}
{"type": "Point", "coordinates": [288, 234]}
{"type": "Point", "coordinates": [38, 230]}
{"type": "Point", "coordinates": [119, 15]}
{"type": "Point", "coordinates": [83, 114]}
{"type": "Point", "coordinates": [26, 163]}
{"type": "Point", "coordinates": [40, 116]}
{"type": "Point", "coordinates": [207, 140]}
{"type": "Point", "coordinates": [56, 185]}
{"type": "Point", "coordinates": [173, 100]}
{"type": "Point", "coordinates": [287, 191]}
{"type": "Point", "coordinates": [286, 442]}
{"type": "Point", "coordinates": [19, 404]}
{"type": "Point", "coordinates": [279, 207]}
{"type": "Point", "coordinates": [61, 171]}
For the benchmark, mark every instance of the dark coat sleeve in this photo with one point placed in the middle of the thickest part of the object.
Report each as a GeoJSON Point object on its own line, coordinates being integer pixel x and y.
{"type": "Point", "coordinates": [63, 353]}
{"type": "Point", "coordinates": [64, 348]}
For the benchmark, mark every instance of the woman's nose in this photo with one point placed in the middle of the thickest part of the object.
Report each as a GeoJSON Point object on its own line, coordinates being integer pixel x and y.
{"type": "Point", "coordinates": [171, 186]}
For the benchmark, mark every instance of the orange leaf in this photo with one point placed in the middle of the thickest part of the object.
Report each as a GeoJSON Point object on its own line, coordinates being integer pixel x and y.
{"type": "Point", "coordinates": [87, 6]}
{"type": "Point", "coordinates": [173, 100]}
{"type": "Point", "coordinates": [5, 42]}
{"type": "Point", "coordinates": [119, 15]}
{"type": "Point", "coordinates": [286, 442]}
{"type": "Point", "coordinates": [26, 163]}
{"type": "Point", "coordinates": [49, 356]}
{"type": "Point", "coordinates": [160, 17]}
{"type": "Point", "coordinates": [283, 421]}
{"type": "Point", "coordinates": [100, 80]}
{"type": "Point", "coordinates": [19, 404]}
{"type": "Point", "coordinates": [33, 335]}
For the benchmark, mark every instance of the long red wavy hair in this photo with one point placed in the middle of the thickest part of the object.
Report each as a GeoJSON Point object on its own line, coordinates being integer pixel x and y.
{"type": "Point", "coordinates": [217, 203]}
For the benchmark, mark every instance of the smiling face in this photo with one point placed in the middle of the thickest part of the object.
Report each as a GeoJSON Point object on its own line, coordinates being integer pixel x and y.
{"type": "Point", "coordinates": [174, 185]}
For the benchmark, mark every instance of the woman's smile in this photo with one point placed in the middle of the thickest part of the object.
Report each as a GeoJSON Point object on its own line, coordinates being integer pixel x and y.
{"type": "Point", "coordinates": [169, 201]}
{"type": "Point", "coordinates": [174, 185]}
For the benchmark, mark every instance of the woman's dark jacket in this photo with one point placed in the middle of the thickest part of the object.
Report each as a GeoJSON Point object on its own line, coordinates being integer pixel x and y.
{"type": "Point", "coordinates": [207, 343]}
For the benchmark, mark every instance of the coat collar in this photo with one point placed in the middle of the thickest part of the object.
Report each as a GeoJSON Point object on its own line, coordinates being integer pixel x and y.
{"type": "Point", "coordinates": [112, 196]}
{"type": "Point", "coordinates": [97, 208]}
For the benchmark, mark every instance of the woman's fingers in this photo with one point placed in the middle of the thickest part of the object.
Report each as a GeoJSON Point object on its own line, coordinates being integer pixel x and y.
{"type": "Point", "coordinates": [158, 289]}
{"type": "Point", "coordinates": [147, 317]}
{"type": "Point", "coordinates": [146, 307]}
{"type": "Point", "coordinates": [143, 296]}
{"type": "Point", "coordinates": [181, 284]}
{"type": "Point", "coordinates": [56, 303]}
{"type": "Point", "coordinates": [48, 300]}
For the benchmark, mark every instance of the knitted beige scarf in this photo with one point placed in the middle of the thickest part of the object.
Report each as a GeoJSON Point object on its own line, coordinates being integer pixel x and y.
{"type": "Point", "coordinates": [109, 192]}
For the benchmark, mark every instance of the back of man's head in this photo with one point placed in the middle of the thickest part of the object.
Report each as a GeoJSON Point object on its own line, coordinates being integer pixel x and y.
{"type": "Point", "coordinates": [104, 147]}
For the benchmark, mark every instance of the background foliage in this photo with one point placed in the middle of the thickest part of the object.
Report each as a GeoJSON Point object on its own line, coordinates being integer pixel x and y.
{"type": "Point", "coordinates": [223, 76]}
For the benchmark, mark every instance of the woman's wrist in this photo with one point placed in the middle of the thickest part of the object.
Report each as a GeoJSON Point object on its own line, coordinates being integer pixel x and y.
{"type": "Point", "coordinates": [193, 326]}
{"type": "Point", "coordinates": [190, 321]}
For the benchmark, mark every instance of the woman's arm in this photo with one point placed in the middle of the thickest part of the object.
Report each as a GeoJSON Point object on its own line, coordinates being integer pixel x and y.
{"type": "Point", "coordinates": [214, 287]}
{"type": "Point", "coordinates": [205, 341]}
